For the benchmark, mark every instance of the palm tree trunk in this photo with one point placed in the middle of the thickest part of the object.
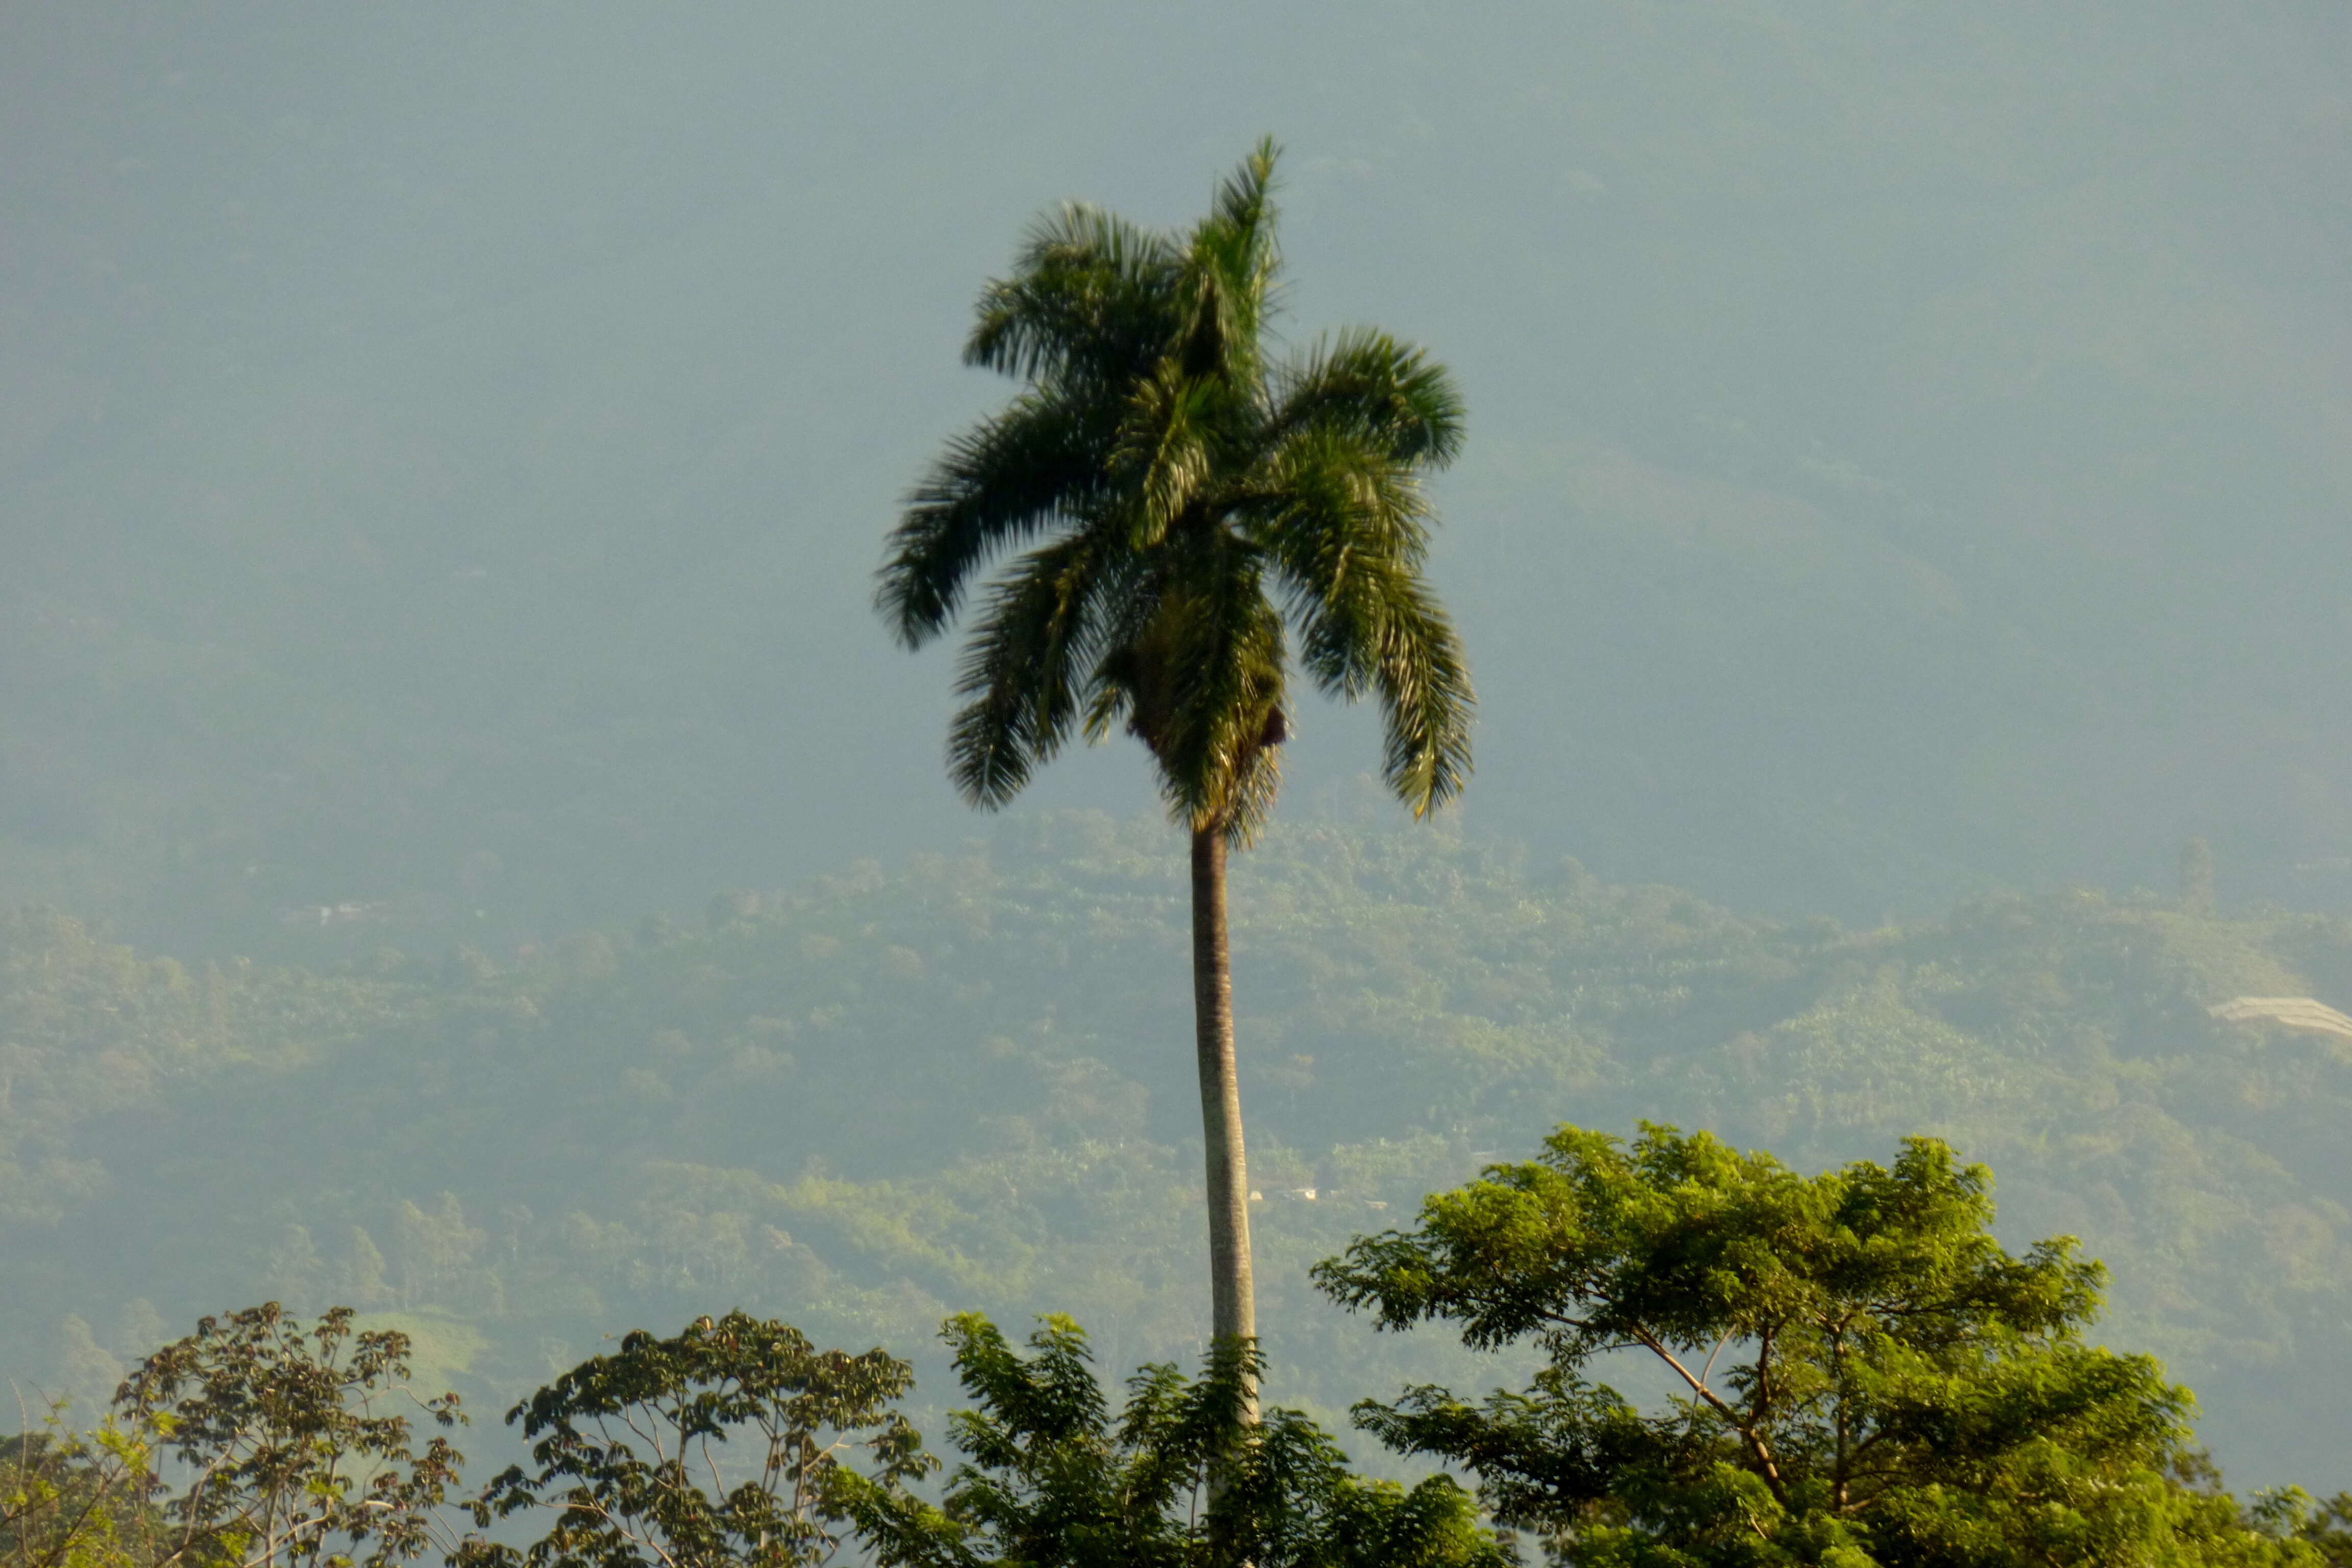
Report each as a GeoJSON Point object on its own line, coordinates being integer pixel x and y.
{"type": "Point", "coordinates": [1235, 1306]}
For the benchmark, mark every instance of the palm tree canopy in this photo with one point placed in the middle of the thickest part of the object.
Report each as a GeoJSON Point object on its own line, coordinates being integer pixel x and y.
{"type": "Point", "coordinates": [1184, 508]}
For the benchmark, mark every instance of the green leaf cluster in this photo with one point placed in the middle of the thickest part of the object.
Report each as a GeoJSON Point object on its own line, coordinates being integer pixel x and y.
{"type": "Point", "coordinates": [289, 1454]}
{"type": "Point", "coordinates": [77, 1500]}
{"type": "Point", "coordinates": [1857, 1372]}
{"type": "Point", "coordinates": [718, 1446]}
{"type": "Point", "coordinates": [1176, 1479]}
{"type": "Point", "coordinates": [256, 1442]}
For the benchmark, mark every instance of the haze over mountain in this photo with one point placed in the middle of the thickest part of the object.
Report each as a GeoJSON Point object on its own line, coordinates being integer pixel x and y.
{"type": "Point", "coordinates": [442, 453]}
{"type": "Point", "coordinates": [963, 1083]}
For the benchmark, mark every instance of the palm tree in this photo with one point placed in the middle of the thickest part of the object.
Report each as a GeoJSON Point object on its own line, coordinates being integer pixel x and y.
{"type": "Point", "coordinates": [1188, 506]}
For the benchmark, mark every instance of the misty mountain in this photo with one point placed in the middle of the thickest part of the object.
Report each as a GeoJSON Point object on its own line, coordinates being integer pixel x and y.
{"type": "Point", "coordinates": [442, 455]}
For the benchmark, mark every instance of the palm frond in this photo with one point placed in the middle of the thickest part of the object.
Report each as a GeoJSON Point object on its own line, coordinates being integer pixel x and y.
{"type": "Point", "coordinates": [1230, 266]}
{"type": "Point", "coordinates": [1029, 663]}
{"type": "Point", "coordinates": [1218, 649]}
{"type": "Point", "coordinates": [1347, 528]}
{"type": "Point", "coordinates": [1329, 509]}
{"type": "Point", "coordinates": [1367, 384]}
{"type": "Point", "coordinates": [1166, 456]}
{"type": "Point", "coordinates": [1090, 302]}
{"type": "Point", "coordinates": [1244, 200]}
{"type": "Point", "coordinates": [1426, 698]}
{"type": "Point", "coordinates": [1015, 474]}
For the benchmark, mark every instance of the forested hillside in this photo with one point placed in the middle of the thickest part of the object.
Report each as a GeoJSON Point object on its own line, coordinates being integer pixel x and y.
{"type": "Point", "coordinates": [964, 1082]}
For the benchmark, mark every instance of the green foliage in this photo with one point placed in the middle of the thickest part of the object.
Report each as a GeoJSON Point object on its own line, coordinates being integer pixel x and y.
{"type": "Point", "coordinates": [1199, 504]}
{"type": "Point", "coordinates": [1178, 1478]}
{"type": "Point", "coordinates": [254, 1440]}
{"type": "Point", "coordinates": [288, 1458]}
{"type": "Point", "coordinates": [77, 1500]}
{"type": "Point", "coordinates": [1859, 1373]}
{"type": "Point", "coordinates": [2324, 1527]}
{"type": "Point", "coordinates": [896, 1093]}
{"type": "Point", "coordinates": [717, 1447]}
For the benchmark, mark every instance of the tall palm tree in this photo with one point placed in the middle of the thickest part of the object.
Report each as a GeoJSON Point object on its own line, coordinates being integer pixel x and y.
{"type": "Point", "coordinates": [1190, 505]}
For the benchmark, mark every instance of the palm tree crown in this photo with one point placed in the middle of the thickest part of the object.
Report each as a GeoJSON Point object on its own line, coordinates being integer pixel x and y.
{"type": "Point", "coordinates": [1188, 506]}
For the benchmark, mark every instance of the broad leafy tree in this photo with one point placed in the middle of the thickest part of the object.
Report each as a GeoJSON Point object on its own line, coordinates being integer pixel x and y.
{"type": "Point", "coordinates": [77, 1500]}
{"type": "Point", "coordinates": [1180, 1477]}
{"type": "Point", "coordinates": [1181, 517]}
{"type": "Point", "coordinates": [276, 1444]}
{"type": "Point", "coordinates": [714, 1448]}
{"type": "Point", "coordinates": [1859, 1373]}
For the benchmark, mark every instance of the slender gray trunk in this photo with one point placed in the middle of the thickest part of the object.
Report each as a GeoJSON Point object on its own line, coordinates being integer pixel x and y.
{"type": "Point", "coordinates": [1234, 1305]}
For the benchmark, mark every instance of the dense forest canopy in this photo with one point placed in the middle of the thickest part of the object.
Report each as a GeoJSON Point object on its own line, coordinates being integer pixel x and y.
{"type": "Point", "coordinates": [515, 1154]}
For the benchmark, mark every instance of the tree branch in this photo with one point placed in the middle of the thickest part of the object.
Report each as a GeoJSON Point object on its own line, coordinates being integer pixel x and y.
{"type": "Point", "coordinates": [1765, 1465]}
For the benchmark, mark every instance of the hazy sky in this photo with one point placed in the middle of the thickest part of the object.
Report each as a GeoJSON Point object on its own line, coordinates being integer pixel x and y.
{"type": "Point", "coordinates": [443, 449]}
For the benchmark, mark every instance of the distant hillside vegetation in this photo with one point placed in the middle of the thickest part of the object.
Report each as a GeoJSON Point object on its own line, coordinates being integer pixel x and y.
{"type": "Point", "coordinates": [963, 1083]}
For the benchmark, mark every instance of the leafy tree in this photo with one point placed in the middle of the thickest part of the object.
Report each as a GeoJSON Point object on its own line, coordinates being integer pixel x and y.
{"type": "Point", "coordinates": [1183, 1477]}
{"type": "Point", "coordinates": [633, 1451]}
{"type": "Point", "coordinates": [1861, 1373]}
{"type": "Point", "coordinates": [2326, 1527]}
{"type": "Point", "coordinates": [287, 1456]}
{"type": "Point", "coordinates": [1198, 504]}
{"type": "Point", "coordinates": [72, 1500]}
